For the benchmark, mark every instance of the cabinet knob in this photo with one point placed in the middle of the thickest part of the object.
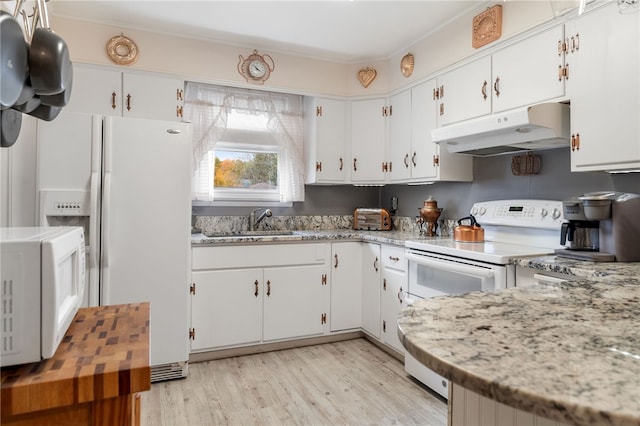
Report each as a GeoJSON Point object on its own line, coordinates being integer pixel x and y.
{"type": "Point", "coordinates": [256, 284]}
{"type": "Point", "coordinates": [406, 161]}
{"type": "Point", "coordinates": [268, 288]}
{"type": "Point", "coordinates": [113, 100]}
{"type": "Point", "coordinates": [335, 264]}
{"type": "Point", "coordinates": [341, 164]}
{"type": "Point", "coordinates": [355, 167]}
{"type": "Point", "coordinates": [128, 102]}
{"type": "Point", "coordinates": [484, 90]}
{"type": "Point", "coordinates": [496, 86]}
{"type": "Point", "coordinates": [413, 159]}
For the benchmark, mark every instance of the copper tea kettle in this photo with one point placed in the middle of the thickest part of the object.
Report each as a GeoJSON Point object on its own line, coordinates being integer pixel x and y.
{"type": "Point", "coordinates": [472, 233]}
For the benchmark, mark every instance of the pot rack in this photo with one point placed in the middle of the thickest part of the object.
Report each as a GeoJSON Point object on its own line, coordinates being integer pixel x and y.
{"type": "Point", "coordinates": [42, 96]}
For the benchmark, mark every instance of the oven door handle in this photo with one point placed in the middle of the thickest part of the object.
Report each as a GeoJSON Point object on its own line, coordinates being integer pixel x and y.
{"type": "Point", "coordinates": [475, 271]}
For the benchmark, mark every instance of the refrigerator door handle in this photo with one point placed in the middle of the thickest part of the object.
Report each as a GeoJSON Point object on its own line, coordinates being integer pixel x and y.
{"type": "Point", "coordinates": [93, 222]}
{"type": "Point", "coordinates": [106, 228]}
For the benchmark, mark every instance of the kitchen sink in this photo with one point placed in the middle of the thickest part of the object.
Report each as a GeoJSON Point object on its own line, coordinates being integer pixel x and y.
{"type": "Point", "coordinates": [271, 232]}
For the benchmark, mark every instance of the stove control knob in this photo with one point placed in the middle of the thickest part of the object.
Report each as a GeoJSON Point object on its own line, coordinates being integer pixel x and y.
{"type": "Point", "coordinates": [482, 211]}
{"type": "Point", "coordinates": [474, 211]}
{"type": "Point", "coordinates": [544, 212]}
{"type": "Point", "coordinates": [556, 214]}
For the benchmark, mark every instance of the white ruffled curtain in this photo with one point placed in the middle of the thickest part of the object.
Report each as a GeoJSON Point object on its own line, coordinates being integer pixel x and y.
{"type": "Point", "coordinates": [208, 107]}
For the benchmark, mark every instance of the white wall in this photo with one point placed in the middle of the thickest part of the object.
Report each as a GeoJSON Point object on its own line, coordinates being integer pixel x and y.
{"type": "Point", "coordinates": [215, 62]}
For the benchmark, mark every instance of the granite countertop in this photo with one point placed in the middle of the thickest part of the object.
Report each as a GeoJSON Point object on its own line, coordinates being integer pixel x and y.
{"type": "Point", "coordinates": [568, 352]}
{"type": "Point", "coordinates": [387, 237]}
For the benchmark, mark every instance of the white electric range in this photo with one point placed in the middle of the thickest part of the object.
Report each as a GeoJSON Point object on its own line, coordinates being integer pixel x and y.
{"type": "Point", "coordinates": [512, 229]}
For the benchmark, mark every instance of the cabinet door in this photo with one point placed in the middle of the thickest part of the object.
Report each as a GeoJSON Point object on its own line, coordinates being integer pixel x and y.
{"type": "Point", "coordinates": [226, 309]}
{"type": "Point", "coordinates": [399, 142]}
{"type": "Point", "coordinates": [330, 140]}
{"type": "Point", "coordinates": [368, 127]}
{"type": "Point", "coordinates": [371, 289]}
{"type": "Point", "coordinates": [423, 119]}
{"type": "Point", "coordinates": [346, 285]}
{"type": "Point", "coordinates": [152, 96]}
{"type": "Point", "coordinates": [603, 87]}
{"type": "Point", "coordinates": [393, 286]}
{"type": "Point", "coordinates": [465, 92]}
{"type": "Point", "coordinates": [96, 91]}
{"type": "Point", "coordinates": [527, 72]}
{"type": "Point", "coordinates": [294, 302]}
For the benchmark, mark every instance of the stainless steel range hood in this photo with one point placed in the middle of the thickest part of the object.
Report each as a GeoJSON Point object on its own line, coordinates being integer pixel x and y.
{"type": "Point", "coordinates": [542, 126]}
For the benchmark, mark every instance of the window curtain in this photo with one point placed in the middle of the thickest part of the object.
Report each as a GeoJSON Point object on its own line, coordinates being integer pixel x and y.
{"type": "Point", "coordinates": [208, 107]}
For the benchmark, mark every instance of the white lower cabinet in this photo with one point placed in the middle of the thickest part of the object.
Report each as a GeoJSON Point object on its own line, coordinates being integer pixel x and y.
{"type": "Point", "coordinates": [346, 285]}
{"type": "Point", "coordinates": [371, 289]}
{"type": "Point", "coordinates": [250, 294]}
{"type": "Point", "coordinates": [217, 300]}
{"type": "Point", "coordinates": [469, 408]}
{"type": "Point", "coordinates": [294, 302]}
{"type": "Point", "coordinates": [392, 293]}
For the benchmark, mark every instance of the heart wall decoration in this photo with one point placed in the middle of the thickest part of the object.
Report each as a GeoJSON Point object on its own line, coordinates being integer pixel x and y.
{"type": "Point", "coordinates": [366, 76]}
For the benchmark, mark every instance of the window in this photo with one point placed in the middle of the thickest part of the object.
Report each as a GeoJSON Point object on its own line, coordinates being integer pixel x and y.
{"type": "Point", "coordinates": [247, 144]}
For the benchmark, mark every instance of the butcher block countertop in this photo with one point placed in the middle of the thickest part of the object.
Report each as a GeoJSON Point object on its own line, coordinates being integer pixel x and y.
{"type": "Point", "coordinates": [102, 360]}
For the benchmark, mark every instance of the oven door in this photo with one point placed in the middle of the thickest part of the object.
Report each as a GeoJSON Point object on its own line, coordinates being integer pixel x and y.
{"type": "Point", "coordinates": [433, 274]}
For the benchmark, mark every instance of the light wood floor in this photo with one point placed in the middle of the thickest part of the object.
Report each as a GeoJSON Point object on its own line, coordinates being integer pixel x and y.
{"type": "Point", "coordinates": [344, 383]}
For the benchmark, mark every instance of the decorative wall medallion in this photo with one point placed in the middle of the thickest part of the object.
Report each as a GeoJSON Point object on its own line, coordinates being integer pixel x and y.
{"type": "Point", "coordinates": [366, 76]}
{"type": "Point", "coordinates": [487, 26]}
{"type": "Point", "coordinates": [122, 50]}
{"type": "Point", "coordinates": [406, 65]}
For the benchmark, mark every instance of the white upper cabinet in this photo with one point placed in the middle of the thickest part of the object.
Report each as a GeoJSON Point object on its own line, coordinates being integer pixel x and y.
{"type": "Point", "coordinates": [399, 144]}
{"type": "Point", "coordinates": [530, 71]}
{"type": "Point", "coordinates": [524, 73]}
{"type": "Point", "coordinates": [604, 88]}
{"type": "Point", "coordinates": [413, 157]}
{"type": "Point", "coordinates": [107, 91]}
{"type": "Point", "coordinates": [325, 144]}
{"type": "Point", "coordinates": [368, 141]}
{"type": "Point", "coordinates": [465, 92]}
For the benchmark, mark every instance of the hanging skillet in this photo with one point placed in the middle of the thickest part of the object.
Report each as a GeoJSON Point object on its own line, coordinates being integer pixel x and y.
{"type": "Point", "coordinates": [14, 65]}
{"type": "Point", "coordinates": [10, 122]}
{"type": "Point", "coordinates": [50, 68]}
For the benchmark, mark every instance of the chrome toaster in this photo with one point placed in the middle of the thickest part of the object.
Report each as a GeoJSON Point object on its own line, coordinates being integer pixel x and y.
{"type": "Point", "coordinates": [372, 219]}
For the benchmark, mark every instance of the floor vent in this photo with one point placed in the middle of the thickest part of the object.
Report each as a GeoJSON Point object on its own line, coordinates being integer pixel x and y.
{"type": "Point", "coordinates": [176, 370]}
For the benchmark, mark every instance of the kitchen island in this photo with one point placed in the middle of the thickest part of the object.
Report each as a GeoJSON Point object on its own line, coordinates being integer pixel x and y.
{"type": "Point", "coordinates": [568, 352]}
{"type": "Point", "coordinates": [93, 378]}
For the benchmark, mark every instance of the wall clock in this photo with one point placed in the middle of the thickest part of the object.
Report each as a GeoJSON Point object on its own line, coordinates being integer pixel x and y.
{"type": "Point", "coordinates": [487, 26]}
{"type": "Point", "coordinates": [256, 68]}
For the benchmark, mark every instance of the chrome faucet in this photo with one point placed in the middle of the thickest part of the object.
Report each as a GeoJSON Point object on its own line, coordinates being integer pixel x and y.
{"type": "Point", "coordinates": [253, 222]}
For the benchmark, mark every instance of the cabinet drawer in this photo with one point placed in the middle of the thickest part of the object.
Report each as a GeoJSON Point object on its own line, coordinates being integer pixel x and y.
{"type": "Point", "coordinates": [259, 255]}
{"type": "Point", "coordinates": [393, 257]}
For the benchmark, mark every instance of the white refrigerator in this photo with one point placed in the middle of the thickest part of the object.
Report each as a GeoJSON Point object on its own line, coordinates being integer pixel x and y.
{"type": "Point", "coordinates": [128, 183]}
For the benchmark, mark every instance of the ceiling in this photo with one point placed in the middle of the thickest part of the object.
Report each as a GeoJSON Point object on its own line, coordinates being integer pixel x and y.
{"type": "Point", "coordinates": [337, 30]}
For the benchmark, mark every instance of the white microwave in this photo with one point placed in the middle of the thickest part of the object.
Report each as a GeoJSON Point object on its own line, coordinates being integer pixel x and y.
{"type": "Point", "coordinates": [42, 273]}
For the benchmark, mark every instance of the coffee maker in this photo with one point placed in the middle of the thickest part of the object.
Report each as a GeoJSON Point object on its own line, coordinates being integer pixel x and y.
{"type": "Point", "coordinates": [601, 227]}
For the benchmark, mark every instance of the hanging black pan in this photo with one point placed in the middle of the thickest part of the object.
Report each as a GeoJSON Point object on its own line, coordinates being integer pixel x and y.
{"type": "Point", "coordinates": [45, 112]}
{"type": "Point", "coordinates": [50, 68]}
{"type": "Point", "coordinates": [14, 56]}
{"type": "Point", "coordinates": [10, 122]}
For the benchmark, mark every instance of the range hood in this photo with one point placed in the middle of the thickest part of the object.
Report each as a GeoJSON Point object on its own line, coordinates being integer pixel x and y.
{"type": "Point", "coordinates": [542, 126]}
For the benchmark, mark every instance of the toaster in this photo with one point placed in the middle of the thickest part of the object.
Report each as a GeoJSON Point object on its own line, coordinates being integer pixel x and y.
{"type": "Point", "coordinates": [372, 219]}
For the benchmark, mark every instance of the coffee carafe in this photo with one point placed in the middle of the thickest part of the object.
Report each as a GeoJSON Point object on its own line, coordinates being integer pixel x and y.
{"type": "Point", "coordinates": [601, 227]}
{"type": "Point", "coordinates": [580, 235]}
